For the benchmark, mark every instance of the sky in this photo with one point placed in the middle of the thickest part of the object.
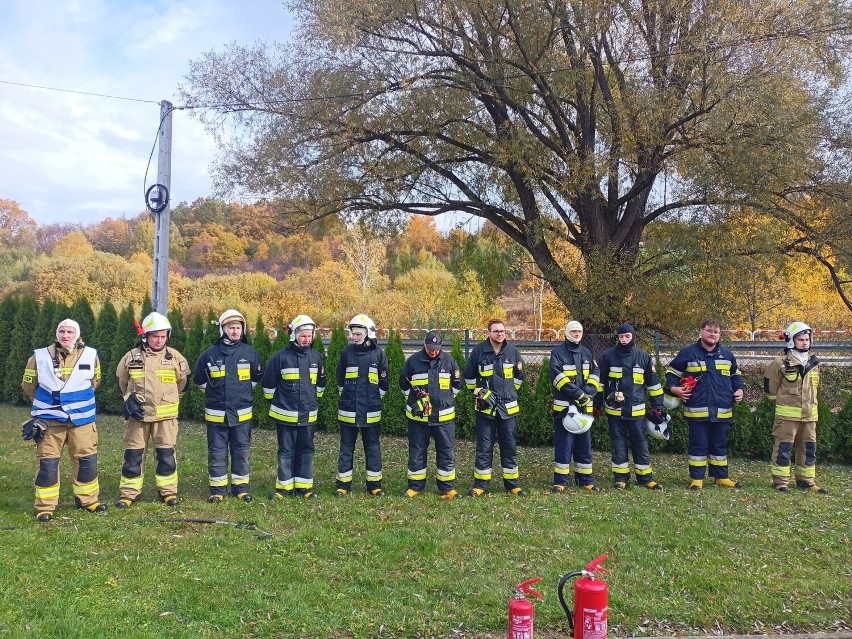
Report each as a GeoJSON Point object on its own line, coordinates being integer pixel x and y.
{"type": "Point", "coordinates": [72, 158]}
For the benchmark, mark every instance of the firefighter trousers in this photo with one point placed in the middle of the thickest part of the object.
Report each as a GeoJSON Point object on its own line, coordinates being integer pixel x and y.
{"type": "Point", "coordinates": [163, 434]}
{"type": "Point", "coordinates": [567, 445]}
{"type": "Point", "coordinates": [295, 459]}
{"type": "Point", "coordinates": [790, 435]}
{"type": "Point", "coordinates": [82, 442]}
{"type": "Point", "coordinates": [372, 454]}
{"type": "Point", "coordinates": [624, 433]}
{"type": "Point", "coordinates": [708, 445]}
{"type": "Point", "coordinates": [501, 431]}
{"type": "Point", "coordinates": [444, 434]}
{"type": "Point", "coordinates": [223, 440]}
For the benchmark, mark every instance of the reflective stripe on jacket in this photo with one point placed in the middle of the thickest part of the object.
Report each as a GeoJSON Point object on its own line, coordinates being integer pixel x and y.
{"type": "Point", "coordinates": [440, 377]}
{"type": "Point", "coordinates": [160, 377]}
{"type": "Point", "coordinates": [294, 380]}
{"type": "Point", "coordinates": [501, 372]}
{"type": "Point", "coordinates": [573, 371]}
{"type": "Point", "coordinates": [718, 377]}
{"type": "Point", "coordinates": [227, 375]}
{"type": "Point", "coordinates": [794, 388]}
{"type": "Point", "coordinates": [362, 377]}
{"type": "Point", "coordinates": [634, 375]}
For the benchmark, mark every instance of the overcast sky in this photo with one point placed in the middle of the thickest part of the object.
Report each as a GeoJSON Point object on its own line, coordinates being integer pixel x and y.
{"type": "Point", "coordinates": [67, 157]}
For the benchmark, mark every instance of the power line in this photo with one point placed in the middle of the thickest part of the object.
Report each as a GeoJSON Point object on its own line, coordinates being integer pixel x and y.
{"type": "Point", "coordinates": [97, 95]}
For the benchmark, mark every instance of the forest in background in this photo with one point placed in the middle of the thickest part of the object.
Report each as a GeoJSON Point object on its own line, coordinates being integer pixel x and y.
{"type": "Point", "coordinates": [406, 273]}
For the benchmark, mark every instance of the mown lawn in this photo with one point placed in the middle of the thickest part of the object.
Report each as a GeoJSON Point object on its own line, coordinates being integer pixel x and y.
{"type": "Point", "coordinates": [682, 563]}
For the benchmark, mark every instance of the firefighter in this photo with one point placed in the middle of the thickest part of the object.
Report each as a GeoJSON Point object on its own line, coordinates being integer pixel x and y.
{"type": "Point", "coordinates": [627, 374]}
{"type": "Point", "coordinates": [707, 403]}
{"type": "Point", "coordinates": [294, 381]}
{"type": "Point", "coordinates": [430, 380]}
{"type": "Point", "coordinates": [791, 380]}
{"type": "Point", "coordinates": [227, 373]}
{"type": "Point", "coordinates": [362, 377]}
{"type": "Point", "coordinates": [151, 378]}
{"type": "Point", "coordinates": [574, 375]}
{"type": "Point", "coordinates": [60, 381]}
{"type": "Point", "coordinates": [494, 372]}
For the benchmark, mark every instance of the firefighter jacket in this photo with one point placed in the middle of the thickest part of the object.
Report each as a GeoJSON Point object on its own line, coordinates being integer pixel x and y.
{"type": "Point", "coordinates": [227, 373]}
{"type": "Point", "coordinates": [160, 377]}
{"type": "Point", "coordinates": [631, 372]}
{"type": "Point", "coordinates": [718, 377]}
{"type": "Point", "coordinates": [293, 381]}
{"type": "Point", "coordinates": [793, 387]}
{"type": "Point", "coordinates": [62, 383]}
{"type": "Point", "coordinates": [439, 377]}
{"type": "Point", "coordinates": [362, 377]}
{"type": "Point", "coordinates": [502, 373]}
{"type": "Point", "coordinates": [573, 372]}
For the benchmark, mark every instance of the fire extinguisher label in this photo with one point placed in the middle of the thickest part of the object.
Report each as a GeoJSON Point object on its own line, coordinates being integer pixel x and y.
{"type": "Point", "coordinates": [521, 627]}
{"type": "Point", "coordinates": [594, 623]}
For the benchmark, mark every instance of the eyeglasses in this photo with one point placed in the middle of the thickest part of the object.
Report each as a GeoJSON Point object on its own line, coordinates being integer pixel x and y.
{"type": "Point", "coordinates": [498, 331]}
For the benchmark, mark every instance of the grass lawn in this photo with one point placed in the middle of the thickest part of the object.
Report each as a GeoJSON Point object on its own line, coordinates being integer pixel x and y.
{"type": "Point", "coordinates": [752, 561]}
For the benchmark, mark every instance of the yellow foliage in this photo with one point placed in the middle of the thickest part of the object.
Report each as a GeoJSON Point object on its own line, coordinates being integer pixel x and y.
{"type": "Point", "coordinates": [75, 244]}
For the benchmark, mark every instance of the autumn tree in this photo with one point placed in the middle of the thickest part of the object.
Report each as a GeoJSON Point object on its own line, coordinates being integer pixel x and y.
{"type": "Point", "coordinates": [582, 122]}
{"type": "Point", "coordinates": [17, 228]}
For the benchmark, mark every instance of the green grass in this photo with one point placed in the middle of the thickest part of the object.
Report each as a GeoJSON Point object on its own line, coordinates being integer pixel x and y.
{"type": "Point", "coordinates": [682, 563]}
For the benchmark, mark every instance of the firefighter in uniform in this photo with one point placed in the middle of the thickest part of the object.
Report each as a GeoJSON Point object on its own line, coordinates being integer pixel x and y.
{"type": "Point", "coordinates": [574, 375]}
{"type": "Point", "coordinates": [494, 372]}
{"type": "Point", "coordinates": [792, 381]}
{"type": "Point", "coordinates": [362, 377]}
{"type": "Point", "coordinates": [227, 373]}
{"type": "Point", "coordinates": [151, 378]}
{"type": "Point", "coordinates": [627, 374]}
{"type": "Point", "coordinates": [60, 380]}
{"type": "Point", "coordinates": [294, 381]}
{"type": "Point", "coordinates": [708, 404]}
{"type": "Point", "coordinates": [430, 380]}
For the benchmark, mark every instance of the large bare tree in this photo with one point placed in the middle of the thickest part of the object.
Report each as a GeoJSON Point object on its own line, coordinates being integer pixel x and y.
{"type": "Point", "coordinates": [579, 120]}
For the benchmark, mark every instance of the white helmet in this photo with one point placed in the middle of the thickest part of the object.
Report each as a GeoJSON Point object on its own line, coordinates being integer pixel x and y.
{"type": "Point", "coordinates": [231, 316]}
{"type": "Point", "coordinates": [300, 321]}
{"type": "Point", "coordinates": [659, 430]}
{"type": "Point", "coordinates": [670, 402]}
{"type": "Point", "coordinates": [365, 322]}
{"type": "Point", "coordinates": [156, 322]}
{"type": "Point", "coordinates": [576, 422]}
{"type": "Point", "coordinates": [796, 328]}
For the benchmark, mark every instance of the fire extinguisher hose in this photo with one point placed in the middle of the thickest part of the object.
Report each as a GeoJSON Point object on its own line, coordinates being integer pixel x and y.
{"type": "Point", "coordinates": [562, 582]}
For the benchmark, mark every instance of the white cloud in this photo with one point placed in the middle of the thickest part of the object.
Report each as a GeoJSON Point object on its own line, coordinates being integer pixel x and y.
{"type": "Point", "coordinates": [66, 157]}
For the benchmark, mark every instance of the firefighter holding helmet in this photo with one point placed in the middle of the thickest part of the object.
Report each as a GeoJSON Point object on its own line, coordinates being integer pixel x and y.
{"type": "Point", "coordinates": [574, 375]}
{"type": "Point", "coordinates": [151, 378]}
{"type": "Point", "coordinates": [362, 378]}
{"type": "Point", "coordinates": [227, 373]}
{"type": "Point", "coordinates": [791, 380]}
{"type": "Point", "coordinates": [60, 380]}
{"type": "Point", "coordinates": [294, 382]}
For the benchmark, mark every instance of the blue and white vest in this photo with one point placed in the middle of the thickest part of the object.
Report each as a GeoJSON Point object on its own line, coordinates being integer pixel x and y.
{"type": "Point", "coordinates": [73, 399]}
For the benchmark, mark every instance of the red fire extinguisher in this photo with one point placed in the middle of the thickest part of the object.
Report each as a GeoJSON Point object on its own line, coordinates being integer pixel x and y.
{"type": "Point", "coordinates": [590, 601]}
{"type": "Point", "coordinates": [521, 610]}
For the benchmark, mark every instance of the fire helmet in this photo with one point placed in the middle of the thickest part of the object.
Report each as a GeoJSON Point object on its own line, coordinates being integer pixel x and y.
{"type": "Point", "coordinates": [794, 329]}
{"type": "Point", "coordinates": [576, 422]}
{"type": "Point", "coordinates": [364, 322]}
{"type": "Point", "coordinates": [658, 427]}
{"type": "Point", "coordinates": [228, 317]}
{"type": "Point", "coordinates": [156, 322]}
{"type": "Point", "coordinates": [301, 321]}
{"type": "Point", "coordinates": [670, 402]}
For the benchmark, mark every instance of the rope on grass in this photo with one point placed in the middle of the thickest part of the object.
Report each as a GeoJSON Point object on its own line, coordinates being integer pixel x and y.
{"type": "Point", "coordinates": [192, 520]}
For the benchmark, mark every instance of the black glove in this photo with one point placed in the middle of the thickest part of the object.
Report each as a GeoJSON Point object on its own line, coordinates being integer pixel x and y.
{"type": "Point", "coordinates": [423, 405]}
{"type": "Point", "coordinates": [133, 407]}
{"type": "Point", "coordinates": [582, 399]}
{"type": "Point", "coordinates": [485, 399]}
{"type": "Point", "coordinates": [34, 429]}
{"type": "Point", "coordinates": [657, 416]}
